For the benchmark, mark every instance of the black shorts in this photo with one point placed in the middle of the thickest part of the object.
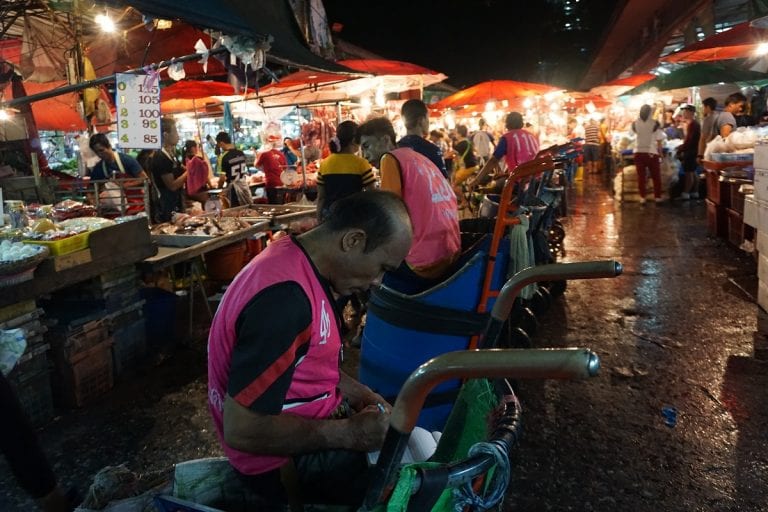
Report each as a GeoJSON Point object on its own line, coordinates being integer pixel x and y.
{"type": "Point", "coordinates": [591, 153]}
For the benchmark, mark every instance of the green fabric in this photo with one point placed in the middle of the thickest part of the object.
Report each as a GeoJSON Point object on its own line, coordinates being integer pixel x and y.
{"type": "Point", "coordinates": [468, 422]}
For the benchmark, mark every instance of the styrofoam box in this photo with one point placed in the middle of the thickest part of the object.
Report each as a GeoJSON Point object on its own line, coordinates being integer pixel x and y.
{"type": "Point", "coordinates": [762, 268]}
{"type": "Point", "coordinates": [762, 295]}
{"type": "Point", "coordinates": [750, 211]}
{"type": "Point", "coordinates": [761, 156]}
{"type": "Point", "coordinates": [761, 184]}
{"type": "Point", "coordinates": [761, 242]}
{"type": "Point", "coordinates": [762, 216]}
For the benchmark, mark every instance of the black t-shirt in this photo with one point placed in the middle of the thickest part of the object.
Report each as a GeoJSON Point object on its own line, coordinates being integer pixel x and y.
{"type": "Point", "coordinates": [233, 165]}
{"type": "Point", "coordinates": [470, 160]}
{"type": "Point", "coordinates": [170, 200]}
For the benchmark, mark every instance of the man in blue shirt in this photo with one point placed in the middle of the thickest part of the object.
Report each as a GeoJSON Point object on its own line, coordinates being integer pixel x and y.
{"type": "Point", "coordinates": [111, 161]}
{"type": "Point", "coordinates": [416, 119]}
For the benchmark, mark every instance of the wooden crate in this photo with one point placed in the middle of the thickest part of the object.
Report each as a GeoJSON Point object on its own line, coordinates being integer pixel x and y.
{"type": "Point", "coordinates": [718, 190]}
{"type": "Point", "coordinates": [717, 220]}
{"type": "Point", "coordinates": [86, 376]}
{"type": "Point", "coordinates": [735, 227]}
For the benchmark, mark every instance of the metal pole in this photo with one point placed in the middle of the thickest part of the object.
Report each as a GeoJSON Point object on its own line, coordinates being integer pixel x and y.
{"type": "Point", "coordinates": [303, 156]}
{"type": "Point", "coordinates": [98, 81]}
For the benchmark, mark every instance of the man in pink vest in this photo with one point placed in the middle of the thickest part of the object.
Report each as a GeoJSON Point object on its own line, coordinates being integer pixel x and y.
{"type": "Point", "coordinates": [431, 202]}
{"type": "Point", "coordinates": [275, 390]}
{"type": "Point", "coordinates": [515, 147]}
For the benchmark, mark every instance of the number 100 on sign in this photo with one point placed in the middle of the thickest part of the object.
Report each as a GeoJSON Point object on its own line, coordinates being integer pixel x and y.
{"type": "Point", "coordinates": [138, 112]}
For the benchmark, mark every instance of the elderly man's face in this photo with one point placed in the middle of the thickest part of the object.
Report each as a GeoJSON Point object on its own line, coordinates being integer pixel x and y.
{"type": "Point", "coordinates": [362, 270]}
{"type": "Point", "coordinates": [374, 147]}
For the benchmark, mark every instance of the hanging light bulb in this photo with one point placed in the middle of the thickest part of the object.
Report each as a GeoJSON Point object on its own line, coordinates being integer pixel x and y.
{"type": "Point", "coordinates": [4, 115]}
{"type": "Point", "coordinates": [490, 106]}
{"type": "Point", "coordinates": [105, 23]}
{"type": "Point", "coordinates": [527, 103]}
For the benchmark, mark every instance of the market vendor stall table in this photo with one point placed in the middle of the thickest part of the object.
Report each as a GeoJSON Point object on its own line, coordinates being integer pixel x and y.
{"type": "Point", "coordinates": [167, 256]}
{"type": "Point", "coordinates": [109, 248]}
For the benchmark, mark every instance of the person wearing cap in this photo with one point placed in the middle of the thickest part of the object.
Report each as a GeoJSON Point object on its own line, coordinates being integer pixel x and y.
{"type": "Point", "coordinates": [686, 152]}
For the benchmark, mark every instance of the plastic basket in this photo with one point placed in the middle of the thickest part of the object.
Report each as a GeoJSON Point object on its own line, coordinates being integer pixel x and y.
{"type": "Point", "coordinates": [65, 245]}
{"type": "Point", "coordinates": [11, 268]}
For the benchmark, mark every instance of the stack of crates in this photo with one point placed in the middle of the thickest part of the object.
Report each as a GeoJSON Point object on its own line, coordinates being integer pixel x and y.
{"type": "Point", "coordinates": [30, 378]}
{"type": "Point", "coordinates": [100, 333]}
{"type": "Point", "coordinates": [756, 215]}
{"type": "Point", "coordinates": [82, 351]}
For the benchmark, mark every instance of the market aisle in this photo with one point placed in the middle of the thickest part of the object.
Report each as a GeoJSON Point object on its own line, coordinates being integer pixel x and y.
{"type": "Point", "coordinates": [672, 331]}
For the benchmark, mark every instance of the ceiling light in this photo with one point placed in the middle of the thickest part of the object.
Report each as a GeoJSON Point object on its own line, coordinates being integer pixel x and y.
{"type": "Point", "coordinates": [762, 49]}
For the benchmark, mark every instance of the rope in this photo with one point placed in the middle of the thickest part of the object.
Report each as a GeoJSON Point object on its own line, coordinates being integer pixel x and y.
{"type": "Point", "coordinates": [465, 496]}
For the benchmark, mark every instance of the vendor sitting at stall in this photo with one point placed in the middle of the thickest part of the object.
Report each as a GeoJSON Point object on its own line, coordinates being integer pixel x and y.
{"type": "Point", "coordinates": [278, 398]}
{"type": "Point", "coordinates": [430, 200]}
{"type": "Point", "coordinates": [113, 163]}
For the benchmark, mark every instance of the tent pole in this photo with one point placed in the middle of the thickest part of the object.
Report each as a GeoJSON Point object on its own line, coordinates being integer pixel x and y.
{"type": "Point", "coordinates": [303, 156]}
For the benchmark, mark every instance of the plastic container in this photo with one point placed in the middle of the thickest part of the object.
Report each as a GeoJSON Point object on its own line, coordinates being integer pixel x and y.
{"type": "Point", "coordinates": [224, 264]}
{"type": "Point", "coordinates": [65, 245]}
{"type": "Point", "coordinates": [160, 315]}
{"type": "Point", "coordinates": [130, 346]}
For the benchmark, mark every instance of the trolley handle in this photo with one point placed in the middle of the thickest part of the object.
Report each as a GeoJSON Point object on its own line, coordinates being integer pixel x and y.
{"type": "Point", "coordinates": [563, 363]}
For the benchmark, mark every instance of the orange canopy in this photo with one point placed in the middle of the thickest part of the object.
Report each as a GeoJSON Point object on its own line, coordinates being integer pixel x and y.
{"type": "Point", "coordinates": [494, 90]}
{"type": "Point", "coordinates": [57, 113]}
{"type": "Point", "coordinates": [194, 89]}
{"type": "Point", "coordinates": [739, 42]}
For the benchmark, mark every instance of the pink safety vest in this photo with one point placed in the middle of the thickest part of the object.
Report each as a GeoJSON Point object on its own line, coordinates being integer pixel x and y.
{"type": "Point", "coordinates": [522, 147]}
{"type": "Point", "coordinates": [317, 374]}
{"type": "Point", "coordinates": [435, 221]}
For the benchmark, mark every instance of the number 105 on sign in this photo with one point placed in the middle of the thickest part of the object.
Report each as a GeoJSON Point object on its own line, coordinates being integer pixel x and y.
{"type": "Point", "coordinates": [138, 112]}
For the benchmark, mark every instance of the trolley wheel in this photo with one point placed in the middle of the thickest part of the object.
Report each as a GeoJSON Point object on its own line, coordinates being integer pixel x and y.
{"type": "Point", "coordinates": [513, 337]}
{"type": "Point", "coordinates": [523, 317]}
{"type": "Point", "coordinates": [540, 301]}
{"type": "Point", "coordinates": [557, 288]}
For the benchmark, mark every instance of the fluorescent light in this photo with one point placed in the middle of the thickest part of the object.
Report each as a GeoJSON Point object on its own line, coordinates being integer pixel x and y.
{"type": "Point", "coordinates": [663, 70]}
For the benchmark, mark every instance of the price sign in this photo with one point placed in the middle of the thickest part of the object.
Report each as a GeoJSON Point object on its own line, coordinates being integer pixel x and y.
{"type": "Point", "coordinates": [138, 112]}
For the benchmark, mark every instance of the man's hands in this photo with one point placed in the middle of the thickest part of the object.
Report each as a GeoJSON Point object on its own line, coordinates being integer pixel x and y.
{"type": "Point", "coordinates": [367, 428]}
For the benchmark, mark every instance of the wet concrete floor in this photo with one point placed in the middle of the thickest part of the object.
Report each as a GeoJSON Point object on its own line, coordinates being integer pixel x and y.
{"type": "Point", "coordinates": [675, 330]}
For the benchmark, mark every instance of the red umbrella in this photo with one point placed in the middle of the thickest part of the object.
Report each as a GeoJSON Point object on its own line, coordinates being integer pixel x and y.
{"type": "Point", "coordinates": [386, 67]}
{"type": "Point", "coordinates": [621, 85]}
{"type": "Point", "coordinates": [493, 91]}
{"type": "Point", "coordinates": [739, 42]}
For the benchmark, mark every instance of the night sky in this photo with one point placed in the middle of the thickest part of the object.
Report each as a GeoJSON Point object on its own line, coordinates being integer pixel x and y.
{"type": "Point", "coordinates": [476, 40]}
